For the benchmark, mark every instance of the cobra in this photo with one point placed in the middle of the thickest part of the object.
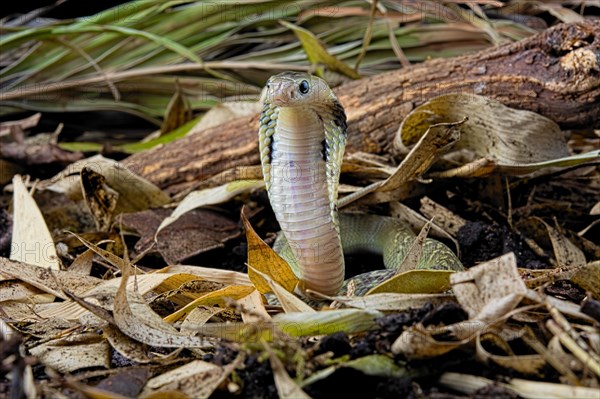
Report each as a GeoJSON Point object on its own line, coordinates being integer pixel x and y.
{"type": "Point", "coordinates": [302, 139]}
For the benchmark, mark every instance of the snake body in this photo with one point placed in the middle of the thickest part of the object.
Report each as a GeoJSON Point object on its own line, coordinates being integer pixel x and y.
{"type": "Point", "coordinates": [302, 138]}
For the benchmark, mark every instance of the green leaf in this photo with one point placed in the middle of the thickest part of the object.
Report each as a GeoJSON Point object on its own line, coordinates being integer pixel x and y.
{"type": "Point", "coordinates": [377, 365]}
{"type": "Point", "coordinates": [326, 322]}
{"type": "Point", "coordinates": [181, 131]}
{"type": "Point", "coordinates": [317, 52]}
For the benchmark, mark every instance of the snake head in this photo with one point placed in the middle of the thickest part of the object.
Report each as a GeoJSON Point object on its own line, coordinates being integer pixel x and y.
{"type": "Point", "coordinates": [297, 89]}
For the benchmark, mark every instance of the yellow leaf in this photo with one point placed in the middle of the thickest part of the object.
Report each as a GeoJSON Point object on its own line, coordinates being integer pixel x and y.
{"type": "Point", "coordinates": [416, 282]}
{"type": "Point", "coordinates": [262, 258]}
{"type": "Point", "coordinates": [212, 298]}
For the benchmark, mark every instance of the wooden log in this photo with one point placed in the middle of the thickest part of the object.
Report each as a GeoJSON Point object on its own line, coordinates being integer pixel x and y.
{"type": "Point", "coordinates": [555, 73]}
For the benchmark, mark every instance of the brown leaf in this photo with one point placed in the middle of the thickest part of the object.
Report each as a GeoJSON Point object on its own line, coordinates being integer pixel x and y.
{"type": "Point", "coordinates": [199, 231]}
{"type": "Point", "coordinates": [24, 153]}
{"type": "Point", "coordinates": [178, 112]}
{"type": "Point", "coordinates": [127, 382]}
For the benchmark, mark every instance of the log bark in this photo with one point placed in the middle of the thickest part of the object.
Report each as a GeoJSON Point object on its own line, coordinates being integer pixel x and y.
{"type": "Point", "coordinates": [555, 73]}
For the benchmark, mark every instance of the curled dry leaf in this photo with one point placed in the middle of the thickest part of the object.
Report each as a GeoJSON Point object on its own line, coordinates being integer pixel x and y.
{"type": "Point", "coordinates": [197, 379]}
{"type": "Point", "coordinates": [420, 343]}
{"type": "Point", "coordinates": [526, 364]}
{"type": "Point", "coordinates": [481, 286]}
{"type": "Point", "coordinates": [488, 292]}
{"type": "Point", "coordinates": [127, 347]}
{"type": "Point", "coordinates": [490, 130]}
{"type": "Point", "coordinates": [565, 252]}
{"type": "Point", "coordinates": [435, 142]}
{"type": "Point", "coordinates": [253, 309]}
{"type": "Point", "coordinates": [82, 264]}
{"type": "Point", "coordinates": [588, 277]}
{"type": "Point", "coordinates": [135, 192]}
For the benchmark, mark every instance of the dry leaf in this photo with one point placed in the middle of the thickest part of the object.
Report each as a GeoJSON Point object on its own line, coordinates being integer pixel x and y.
{"type": "Point", "coordinates": [415, 282]}
{"type": "Point", "coordinates": [69, 358]}
{"type": "Point", "coordinates": [286, 387]}
{"type": "Point", "coordinates": [484, 285]}
{"type": "Point", "coordinates": [263, 259]}
{"type": "Point", "coordinates": [135, 192]}
{"type": "Point", "coordinates": [31, 240]}
{"type": "Point", "coordinates": [137, 320]}
{"type": "Point", "coordinates": [252, 308]}
{"type": "Point", "coordinates": [178, 112]}
{"type": "Point", "coordinates": [527, 364]}
{"type": "Point", "coordinates": [226, 111]}
{"type": "Point", "coordinates": [289, 301]}
{"type": "Point", "coordinates": [48, 281]}
{"type": "Point", "coordinates": [394, 301]}
{"type": "Point", "coordinates": [230, 277]}
{"type": "Point", "coordinates": [219, 297]}
{"type": "Point", "coordinates": [526, 389]}
{"type": "Point", "coordinates": [199, 231]}
{"type": "Point", "coordinates": [197, 379]}
{"type": "Point", "coordinates": [210, 196]}
{"type": "Point", "coordinates": [489, 130]}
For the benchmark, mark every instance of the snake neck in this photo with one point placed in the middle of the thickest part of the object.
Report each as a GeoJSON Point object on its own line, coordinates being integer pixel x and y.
{"type": "Point", "coordinates": [298, 190]}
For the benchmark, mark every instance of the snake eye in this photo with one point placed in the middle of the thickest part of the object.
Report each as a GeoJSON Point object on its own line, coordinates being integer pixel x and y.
{"type": "Point", "coordinates": [303, 86]}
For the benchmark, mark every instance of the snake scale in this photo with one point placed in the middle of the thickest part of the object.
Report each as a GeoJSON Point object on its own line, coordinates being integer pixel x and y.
{"type": "Point", "coordinates": [302, 138]}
